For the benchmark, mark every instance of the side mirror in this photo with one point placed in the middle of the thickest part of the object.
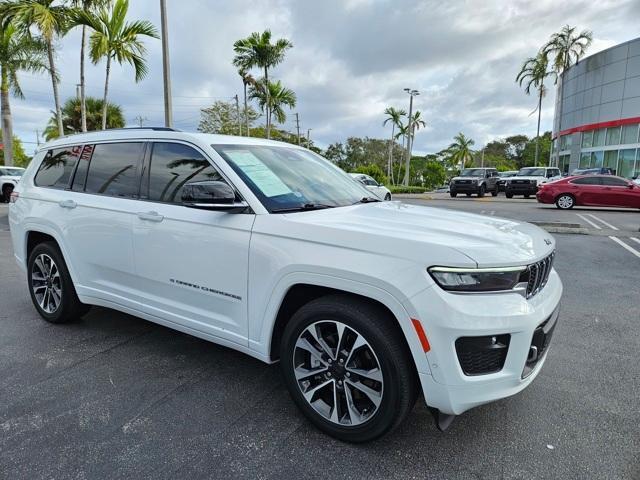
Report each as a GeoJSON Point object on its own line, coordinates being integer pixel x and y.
{"type": "Point", "coordinates": [211, 195]}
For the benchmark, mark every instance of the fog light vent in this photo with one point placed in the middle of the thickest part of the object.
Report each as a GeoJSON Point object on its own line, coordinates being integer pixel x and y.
{"type": "Point", "coordinates": [482, 355]}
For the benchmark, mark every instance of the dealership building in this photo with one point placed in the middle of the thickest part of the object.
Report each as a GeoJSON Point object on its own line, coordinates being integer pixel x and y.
{"type": "Point", "coordinates": [597, 120]}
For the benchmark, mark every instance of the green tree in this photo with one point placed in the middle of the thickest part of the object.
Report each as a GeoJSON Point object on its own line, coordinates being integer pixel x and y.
{"type": "Point", "coordinates": [395, 117]}
{"type": "Point", "coordinates": [373, 171]}
{"type": "Point", "coordinates": [91, 6]}
{"type": "Point", "coordinates": [544, 144]}
{"type": "Point", "coordinates": [72, 117]}
{"type": "Point", "coordinates": [247, 79]}
{"type": "Point", "coordinates": [272, 100]}
{"type": "Point", "coordinates": [257, 51]}
{"type": "Point", "coordinates": [565, 48]}
{"type": "Point", "coordinates": [51, 21]}
{"type": "Point", "coordinates": [433, 175]}
{"type": "Point", "coordinates": [20, 158]}
{"type": "Point", "coordinates": [533, 73]}
{"type": "Point", "coordinates": [336, 153]}
{"type": "Point", "coordinates": [222, 118]}
{"type": "Point", "coordinates": [460, 150]}
{"type": "Point", "coordinates": [116, 39]}
{"type": "Point", "coordinates": [18, 52]}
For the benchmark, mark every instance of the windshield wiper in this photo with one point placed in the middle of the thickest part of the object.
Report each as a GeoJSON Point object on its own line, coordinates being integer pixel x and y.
{"type": "Point", "coordinates": [367, 200]}
{"type": "Point", "coordinates": [302, 208]}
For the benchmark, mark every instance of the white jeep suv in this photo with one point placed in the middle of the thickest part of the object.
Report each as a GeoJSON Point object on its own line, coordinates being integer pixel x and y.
{"type": "Point", "coordinates": [270, 249]}
{"type": "Point", "coordinates": [9, 178]}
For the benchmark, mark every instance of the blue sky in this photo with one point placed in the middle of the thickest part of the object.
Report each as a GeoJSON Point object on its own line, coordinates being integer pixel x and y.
{"type": "Point", "coordinates": [351, 59]}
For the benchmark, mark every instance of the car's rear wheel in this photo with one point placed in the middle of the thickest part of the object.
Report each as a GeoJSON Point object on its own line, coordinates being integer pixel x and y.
{"type": "Point", "coordinates": [50, 285]}
{"type": "Point", "coordinates": [348, 368]}
{"type": "Point", "coordinates": [565, 201]}
{"type": "Point", "coordinates": [508, 195]}
{"type": "Point", "coordinates": [6, 193]}
{"type": "Point", "coordinates": [387, 197]}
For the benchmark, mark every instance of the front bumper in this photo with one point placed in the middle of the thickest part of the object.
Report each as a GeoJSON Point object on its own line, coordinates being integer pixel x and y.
{"type": "Point", "coordinates": [521, 189]}
{"type": "Point", "coordinates": [447, 317]}
{"type": "Point", "coordinates": [464, 187]}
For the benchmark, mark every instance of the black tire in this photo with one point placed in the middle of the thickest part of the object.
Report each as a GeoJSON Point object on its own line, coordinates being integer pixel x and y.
{"type": "Point", "coordinates": [453, 194]}
{"type": "Point", "coordinates": [69, 308]}
{"type": "Point", "coordinates": [468, 194]}
{"type": "Point", "coordinates": [565, 201]}
{"type": "Point", "coordinates": [380, 330]}
{"type": "Point", "coordinates": [508, 195]}
{"type": "Point", "coordinates": [494, 193]}
{"type": "Point", "coordinates": [526, 195]}
{"type": "Point", "coordinates": [6, 193]}
{"type": "Point", "coordinates": [387, 197]}
{"type": "Point", "coordinates": [481, 191]}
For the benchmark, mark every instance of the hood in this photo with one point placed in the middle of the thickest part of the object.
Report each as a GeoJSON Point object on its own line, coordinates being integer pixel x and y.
{"type": "Point", "coordinates": [423, 234]}
{"type": "Point", "coordinates": [467, 178]}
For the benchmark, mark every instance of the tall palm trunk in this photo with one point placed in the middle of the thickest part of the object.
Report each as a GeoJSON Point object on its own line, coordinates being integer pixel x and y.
{"type": "Point", "coordinates": [246, 117]}
{"type": "Point", "coordinates": [83, 105]}
{"type": "Point", "coordinates": [266, 86]}
{"type": "Point", "coordinates": [390, 161]}
{"type": "Point", "coordinates": [106, 92]}
{"type": "Point", "coordinates": [54, 84]}
{"type": "Point", "coordinates": [7, 124]}
{"type": "Point", "coordinates": [540, 93]}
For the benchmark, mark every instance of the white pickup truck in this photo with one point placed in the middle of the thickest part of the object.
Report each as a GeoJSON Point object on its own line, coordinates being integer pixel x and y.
{"type": "Point", "coordinates": [526, 181]}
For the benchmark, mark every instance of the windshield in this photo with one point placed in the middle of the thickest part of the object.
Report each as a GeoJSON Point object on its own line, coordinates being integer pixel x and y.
{"type": "Point", "coordinates": [472, 172]}
{"type": "Point", "coordinates": [288, 178]}
{"type": "Point", "coordinates": [507, 174]}
{"type": "Point", "coordinates": [531, 172]}
{"type": "Point", "coordinates": [13, 172]}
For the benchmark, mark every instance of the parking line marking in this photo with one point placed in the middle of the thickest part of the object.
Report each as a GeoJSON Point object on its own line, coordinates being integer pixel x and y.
{"type": "Point", "coordinates": [482, 212]}
{"type": "Point", "coordinates": [603, 222]}
{"type": "Point", "coordinates": [625, 246]}
{"type": "Point", "coordinates": [493, 212]}
{"type": "Point", "coordinates": [589, 221]}
{"type": "Point", "coordinates": [635, 239]}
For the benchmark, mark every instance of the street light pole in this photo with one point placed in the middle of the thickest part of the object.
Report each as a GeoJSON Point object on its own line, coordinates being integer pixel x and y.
{"type": "Point", "coordinates": [412, 93]}
{"type": "Point", "coordinates": [308, 137]}
{"type": "Point", "coordinates": [168, 110]}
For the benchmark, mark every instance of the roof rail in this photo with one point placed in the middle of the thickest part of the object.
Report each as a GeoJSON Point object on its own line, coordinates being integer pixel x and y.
{"type": "Point", "coordinates": [159, 129]}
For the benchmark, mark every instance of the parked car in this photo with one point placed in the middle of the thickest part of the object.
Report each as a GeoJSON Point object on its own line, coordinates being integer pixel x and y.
{"type": "Point", "coordinates": [475, 180]}
{"type": "Point", "coordinates": [592, 171]}
{"type": "Point", "coordinates": [502, 178]}
{"type": "Point", "coordinates": [373, 186]}
{"type": "Point", "coordinates": [591, 190]}
{"type": "Point", "coordinates": [9, 178]}
{"type": "Point", "coordinates": [527, 180]}
{"type": "Point", "coordinates": [269, 249]}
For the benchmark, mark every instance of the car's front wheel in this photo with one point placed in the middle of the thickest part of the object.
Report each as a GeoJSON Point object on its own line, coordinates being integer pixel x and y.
{"type": "Point", "coordinates": [453, 193]}
{"type": "Point", "coordinates": [6, 193]}
{"type": "Point", "coordinates": [348, 368]}
{"type": "Point", "coordinates": [387, 197]}
{"type": "Point", "coordinates": [481, 191]}
{"type": "Point", "coordinates": [508, 195]}
{"type": "Point", "coordinates": [565, 201]}
{"type": "Point", "coordinates": [51, 287]}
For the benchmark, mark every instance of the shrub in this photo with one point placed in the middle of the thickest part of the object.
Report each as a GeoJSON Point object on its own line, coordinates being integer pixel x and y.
{"type": "Point", "coordinates": [373, 171]}
{"type": "Point", "coordinates": [403, 189]}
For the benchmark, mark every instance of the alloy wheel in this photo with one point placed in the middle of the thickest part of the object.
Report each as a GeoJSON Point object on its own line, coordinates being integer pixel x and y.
{"type": "Point", "coordinates": [46, 283]}
{"type": "Point", "coordinates": [338, 373]}
{"type": "Point", "coordinates": [565, 201]}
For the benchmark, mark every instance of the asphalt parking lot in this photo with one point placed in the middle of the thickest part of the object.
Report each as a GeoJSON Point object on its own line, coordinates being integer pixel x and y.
{"type": "Point", "coordinates": [115, 396]}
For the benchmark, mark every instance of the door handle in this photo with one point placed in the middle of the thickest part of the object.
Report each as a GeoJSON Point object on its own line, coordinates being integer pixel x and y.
{"type": "Point", "coordinates": [67, 204]}
{"type": "Point", "coordinates": [150, 216]}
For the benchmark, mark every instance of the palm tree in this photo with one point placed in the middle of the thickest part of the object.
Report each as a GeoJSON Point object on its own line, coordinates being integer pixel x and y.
{"type": "Point", "coordinates": [460, 149]}
{"type": "Point", "coordinates": [403, 131]}
{"type": "Point", "coordinates": [17, 52]}
{"type": "Point", "coordinates": [247, 79]}
{"type": "Point", "coordinates": [257, 51]}
{"type": "Point", "coordinates": [532, 74]}
{"type": "Point", "coordinates": [116, 39]}
{"type": "Point", "coordinates": [72, 117]}
{"type": "Point", "coordinates": [89, 6]}
{"type": "Point", "coordinates": [394, 116]}
{"type": "Point", "coordinates": [565, 48]}
{"type": "Point", "coordinates": [272, 99]}
{"type": "Point", "coordinates": [51, 21]}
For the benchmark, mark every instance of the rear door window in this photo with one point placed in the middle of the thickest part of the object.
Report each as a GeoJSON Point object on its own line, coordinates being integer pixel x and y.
{"type": "Point", "coordinates": [81, 170]}
{"type": "Point", "coordinates": [613, 182]}
{"type": "Point", "coordinates": [172, 166]}
{"type": "Point", "coordinates": [57, 167]}
{"type": "Point", "coordinates": [113, 169]}
{"type": "Point", "coordinates": [587, 181]}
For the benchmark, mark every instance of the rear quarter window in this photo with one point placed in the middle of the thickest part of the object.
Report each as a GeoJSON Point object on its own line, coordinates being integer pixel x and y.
{"type": "Point", "coordinates": [113, 169]}
{"type": "Point", "coordinates": [57, 167]}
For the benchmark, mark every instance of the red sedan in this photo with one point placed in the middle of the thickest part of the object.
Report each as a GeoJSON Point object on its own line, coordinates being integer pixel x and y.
{"type": "Point", "coordinates": [590, 190]}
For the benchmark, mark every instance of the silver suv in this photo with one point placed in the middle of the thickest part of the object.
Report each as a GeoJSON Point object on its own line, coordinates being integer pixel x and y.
{"type": "Point", "coordinates": [475, 180]}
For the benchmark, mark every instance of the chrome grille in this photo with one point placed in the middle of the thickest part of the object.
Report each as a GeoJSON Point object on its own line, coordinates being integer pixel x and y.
{"type": "Point", "coordinates": [537, 274]}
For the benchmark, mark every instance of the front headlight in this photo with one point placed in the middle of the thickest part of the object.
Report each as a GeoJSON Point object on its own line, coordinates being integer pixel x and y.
{"type": "Point", "coordinates": [477, 279]}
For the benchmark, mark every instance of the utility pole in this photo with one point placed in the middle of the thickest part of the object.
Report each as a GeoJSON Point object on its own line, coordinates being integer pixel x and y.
{"type": "Point", "coordinates": [308, 137]}
{"type": "Point", "coordinates": [238, 115]}
{"type": "Point", "coordinates": [168, 109]}
{"type": "Point", "coordinates": [482, 159]}
{"type": "Point", "coordinates": [412, 93]}
{"type": "Point", "coordinates": [37, 138]}
{"type": "Point", "coordinates": [298, 127]}
{"type": "Point", "coordinates": [140, 120]}
{"type": "Point", "coordinates": [78, 91]}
